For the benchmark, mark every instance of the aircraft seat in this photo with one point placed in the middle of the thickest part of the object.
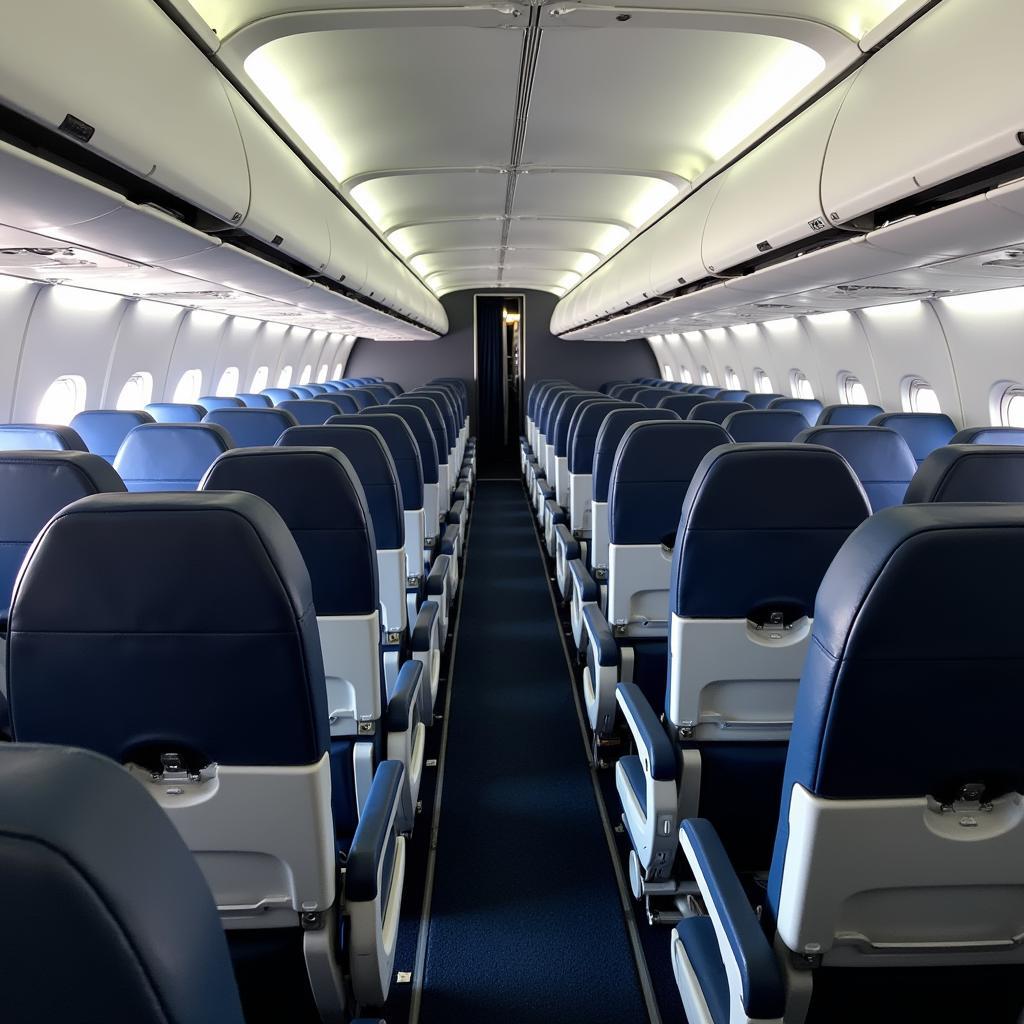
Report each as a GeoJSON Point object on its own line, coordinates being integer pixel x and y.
{"type": "Point", "coordinates": [762, 400]}
{"type": "Point", "coordinates": [169, 456]}
{"type": "Point", "coordinates": [40, 437]}
{"type": "Point", "coordinates": [309, 412]}
{"type": "Point", "coordinates": [176, 412]}
{"type": "Point", "coordinates": [252, 400]}
{"type": "Point", "coordinates": [988, 435]}
{"type": "Point", "coordinates": [252, 428]}
{"type": "Point", "coordinates": [211, 402]}
{"type": "Point", "coordinates": [923, 431]}
{"type": "Point", "coordinates": [716, 411]}
{"type": "Point", "coordinates": [764, 425]}
{"type": "Point", "coordinates": [848, 415]}
{"type": "Point", "coordinates": [809, 407]}
{"type": "Point", "coordinates": [277, 395]}
{"type": "Point", "coordinates": [682, 405]}
{"type": "Point", "coordinates": [103, 430]}
{"type": "Point", "coordinates": [969, 472]}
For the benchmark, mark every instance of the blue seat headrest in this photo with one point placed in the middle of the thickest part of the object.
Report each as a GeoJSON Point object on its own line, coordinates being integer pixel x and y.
{"type": "Point", "coordinates": [302, 391]}
{"type": "Point", "coordinates": [735, 395]}
{"type": "Point", "coordinates": [211, 402]}
{"type": "Point", "coordinates": [445, 404]}
{"type": "Point", "coordinates": [140, 940]}
{"type": "Point", "coordinates": [649, 396]}
{"type": "Point", "coordinates": [345, 402]}
{"type": "Point", "coordinates": [361, 396]}
{"type": "Point", "coordinates": [103, 430]}
{"type": "Point", "coordinates": [613, 429]}
{"type": "Point", "coordinates": [317, 494]}
{"type": "Point", "coordinates": [969, 472]}
{"type": "Point", "coordinates": [402, 447]}
{"type": "Point", "coordinates": [564, 420]}
{"type": "Point", "coordinates": [848, 415]}
{"type": "Point", "coordinates": [279, 394]}
{"type": "Point", "coordinates": [923, 431]}
{"type": "Point", "coordinates": [252, 428]}
{"type": "Point", "coordinates": [416, 420]}
{"type": "Point", "coordinates": [39, 437]}
{"type": "Point", "coordinates": [759, 425]}
{"type": "Point", "coordinates": [309, 411]}
{"type": "Point", "coordinates": [169, 456]}
{"type": "Point", "coordinates": [607, 386]}
{"type": "Point", "coordinates": [397, 389]}
{"type": "Point", "coordinates": [317, 388]}
{"type": "Point", "coordinates": [550, 407]}
{"type": "Point", "coordinates": [381, 393]}
{"type": "Point", "coordinates": [760, 525]}
{"type": "Point", "coordinates": [716, 411]}
{"type": "Point", "coordinates": [113, 646]}
{"type": "Point", "coordinates": [629, 392]}
{"type": "Point", "coordinates": [368, 454]}
{"type": "Point", "coordinates": [653, 468]}
{"type": "Point", "coordinates": [809, 407]}
{"type": "Point", "coordinates": [583, 430]}
{"type": "Point", "coordinates": [175, 412]}
{"type": "Point", "coordinates": [681, 405]}
{"type": "Point", "coordinates": [879, 456]}
{"type": "Point", "coordinates": [432, 411]}
{"type": "Point", "coordinates": [988, 435]}
{"type": "Point", "coordinates": [762, 400]}
{"type": "Point", "coordinates": [254, 401]}
{"type": "Point", "coordinates": [36, 486]}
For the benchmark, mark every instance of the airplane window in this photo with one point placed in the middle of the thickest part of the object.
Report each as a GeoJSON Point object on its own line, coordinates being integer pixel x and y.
{"type": "Point", "coordinates": [227, 386]}
{"type": "Point", "coordinates": [339, 370]}
{"type": "Point", "coordinates": [1011, 407]}
{"type": "Point", "coordinates": [800, 385]}
{"type": "Point", "coordinates": [260, 378]}
{"type": "Point", "coordinates": [307, 374]}
{"type": "Point", "coordinates": [732, 380]}
{"type": "Point", "coordinates": [705, 377]}
{"type": "Point", "coordinates": [137, 391]}
{"type": "Point", "coordinates": [63, 398]}
{"type": "Point", "coordinates": [190, 386]}
{"type": "Point", "coordinates": [851, 391]}
{"type": "Point", "coordinates": [685, 376]}
{"type": "Point", "coordinates": [284, 378]}
{"type": "Point", "coordinates": [321, 374]}
{"type": "Point", "coordinates": [919, 396]}
{"type": "Point", "coordinates": [668, 372]}
{"type": "Point", "coordinates": [762, 382]}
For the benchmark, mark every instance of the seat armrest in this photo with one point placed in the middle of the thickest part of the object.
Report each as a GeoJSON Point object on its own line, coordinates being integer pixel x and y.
{"type": "Point", "coordinates": [754, 976]}
{"type": "Point", "coordinates": [569, 546]}
{"type": "Point", "coordinates": [369, 844]}
{"type": "Point", "coordinates": [606, 650]}
{"type": "Point", "coordinates": [450, 540]}
{"type": "Point", "coordinates": [546, 491]}
{"type": "Point", "coordinates": [556, 512]}
{"type": "Point", "coordinates": [400, 713]}
{"type": "Point", "coordinates": [423, 626]}
{"type": "Point", "coordinates": [437, 576]}
{"type": "Point", "coordinates": [649, 734]}
{"type": "Point", "coordinates": [583, 582]}
{"type": "Point", "coordinates": [456, 513]}
{"type": "Point", "coordinates": [5, 617]}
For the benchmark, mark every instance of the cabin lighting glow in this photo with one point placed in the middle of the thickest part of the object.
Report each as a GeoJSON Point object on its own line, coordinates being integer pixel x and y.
{"type": "Point", "coordinates": [654, 196]}
{"type": "Point", "coordinates": [509, 316]}
{"type": "Point", "coordinates": [893, 311]}
{"type": "Point", "coordinates": [83, 300]}
{"type": "Point", "coordinates": [1005, 300]}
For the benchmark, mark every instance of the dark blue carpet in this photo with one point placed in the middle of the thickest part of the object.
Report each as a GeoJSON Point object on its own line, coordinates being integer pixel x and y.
{"type": "Point", "coordinates": [526, 922]}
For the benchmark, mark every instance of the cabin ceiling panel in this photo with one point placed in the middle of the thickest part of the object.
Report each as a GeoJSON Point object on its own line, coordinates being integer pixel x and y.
{"type": "Point", "coordinates": [583, 235]}
{"type": "Point", "coordinates": [434, 236]}
{"type": "Point", "coordinates": [455, 259]}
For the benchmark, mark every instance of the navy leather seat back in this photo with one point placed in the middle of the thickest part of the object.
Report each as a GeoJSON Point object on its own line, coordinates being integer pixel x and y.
{"type": "Point", "coordinates": [381, 393]}
{"type": "Point", "coordinates": [649, 397]}
{"type": "Point", "coordinates": [279, 394]}
{"type": "Point", "coordinates": [103, 430]}
{"type": "Point", "coordinates": [345, 402]}
{"type": "Point", "coordinates": [923, 431]}
{"type": "Point", "coordinates": [318, 388]}
{"type": "Point", "coordinates": [969, 472]}
{"type": "Point", "coordinates": [115, 647]}
{"type": "Point", "coordinates": [176, 412]}
{"type": "Point", "coordinates": [252, 428]}
{"type": "Point", "coordinates": [550, 407]}
{"type": "Point", "coordinates": [536, 393]}
{"type": "Point", "coordinates": [708, 390]}
{"type": "Point", "coordinates": [759, 528]}
{"type": "Point", "coordinates": [394, 387]}
{"type": "Point", "coordinates": [254, 401]}
{"type": "Point", "coordinates": [989, 435]}
{"type": "Point", "coordinates": [653, 469]}
{"type": "Point", "coordinates": [583, 430]}
{"type": "Point", "coordinates": [848, 415]}
{"type": "Point", "coordinates": [459, 398]}
{"type": "Point", "coordinates": [682, 405]}
{"type": "Point", "coordinates": [879, 456]}
{"type": "Point", "coordinates": [716, 411]}
{"type": "Point", "coordinates": [452, 423]}
{"type": "Point", "coordinates": [612, 431]}
{"type": "Point", "coordinates": [368, 454]}
{"type": "Point", "coordinates": [16, 437]}
{"type": "Point", "coordinates": [416, 420]}
{"type": "Point", "coordinates": [810, 408]}
{"type": "Point", "coordinates": [606, 387]}
{"type": "Point", "coordinates": [318, 495]}
{"type": "Point", "coordinates": [735, 395]}
{"type": "Point", "coordinates": [401, 446]}
{"type": "Point", "coordinates": [762, 401]}
{"type": "Point", "coordinates": [762, 425]}
{"type": "Point", "coordinates": [302, 391]}
{"type": "Point", "coordinates": [563, 422]}
{"type": "Point", "coordinates": [140, 941]}
{"type": "Point", "coordinates": [431, 410]}
{"type": "Point", "coordinates": [884, 662]}
{"type": "Point", "coordinates": [36, 486]}
{"type": "Point", "coordinates": [630, 391]}
{"type": "Point", "coordinates": [169, 456]}
{"type": "Point", "coordinates": [309, 411]}
{"type": "Point", "coordinates": [211, 402]}
{"type": "Point", "coordinates": [362, 396]}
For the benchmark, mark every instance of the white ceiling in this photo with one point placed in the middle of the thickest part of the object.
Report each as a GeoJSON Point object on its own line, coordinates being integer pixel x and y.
{"type": "Point", "coordinates": [520, 144]}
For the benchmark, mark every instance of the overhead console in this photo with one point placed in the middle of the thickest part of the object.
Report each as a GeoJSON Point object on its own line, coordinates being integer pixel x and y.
{"type": "Point", "coordinates": [125, 84]}
{"type": "Point", "coordinates": [905, 180]}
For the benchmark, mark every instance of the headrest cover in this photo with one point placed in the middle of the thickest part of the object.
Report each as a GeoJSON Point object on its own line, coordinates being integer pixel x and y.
{"type": "Point", "coordinates": [848, 415]}
{"type": "Point", "coordinates": [879, 456]}
{"type": "Point", "coordinates": [760, 525]}
{"type": "Point", "coordinates": [969, 472]}
{"type": "Point", "coordinates": [809, 407]}
{"type": "Point", "coordinates": [583, 429]}
{"type": "Point", "coordinates": [682, 405]}
{"type": "Point", "coordinates": [16, 437]}
{"type": "Point", "coordinates": [254, 401]}
{"type": "Point", "coordinates": [430, 409]}
{"type": "Point", "coordinates": [103, 430]}
{"type": "Point", "coordinates": [923, 431]}
{"type": "Point", "coordinates": [345, 402]}
{"type": "Point", "coordinates": [279, 394]}
{"type": "Point", "coordinates": [653, 468]}
{"type": "Point", "coordinates": [175, 412]}
{"type": "Point", "coordinates": [716, 411]}
{"type": "Point", "coordinates": [989, 435]}
{"type": "Point", "coordinates": [211, 402]}
{"type": "Point", "coordinates": [612, 430]}
{"type": "Point", "coordinates": [170, 456]}
{"type": "Point", "coordinates": [309, 412]}
{"type": "Point", "coordinates": [447, 407]}
{"type": "Point", "coordinates": [114, 646]}
{"type": "Point", "coordinates": [565, 419]}
{"type": "Point", "coordinates": [82, 843]}
{"type": "Point", "coordinates": [650, 396]}
{"type": "Point", "coordinates": [762, 401]}
{"type": "Point", "coordinates": [732, 395]}
{"type": "Point", "coordinates": [761, 425]}
{"type": "Point", "coordinates": [403, 450]}
{"type": "Point", "coordinates": [252, 428]}
{"type": "Point", "coordinates": [416, 420]}
{"type": "Point", "coordinates": [317, 494]}
{"type": "Point", "coordinates": [362, 397]}
{"type": "Point", "coordinates": [368, 455]}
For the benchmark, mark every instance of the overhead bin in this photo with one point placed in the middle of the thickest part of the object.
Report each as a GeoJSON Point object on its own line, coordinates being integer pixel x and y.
{"type": "Point", "coordinates": [939, 101]}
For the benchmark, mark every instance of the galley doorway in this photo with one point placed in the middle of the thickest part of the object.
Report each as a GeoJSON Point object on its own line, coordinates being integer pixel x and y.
{"type": "Point", "coordinates": [499, 360]}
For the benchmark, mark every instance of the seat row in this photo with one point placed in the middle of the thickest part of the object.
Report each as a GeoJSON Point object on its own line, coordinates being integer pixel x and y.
{"type": "Point", "coordinates": [697, 619]}
{"type": "Point", "coordinates": [278, 710]}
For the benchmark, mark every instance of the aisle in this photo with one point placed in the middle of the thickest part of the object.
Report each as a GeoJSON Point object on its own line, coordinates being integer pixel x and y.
{"type": "Point", "coordinates": [526, 923]}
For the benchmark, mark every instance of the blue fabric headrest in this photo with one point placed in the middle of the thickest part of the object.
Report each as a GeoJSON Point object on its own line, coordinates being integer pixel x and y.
{"type": "Point", "coordinates": [988, 435]}
{"type": "Point", "coordinates": [447, 407]}
{"type": "Point", "coordinates": [760, 525]}
{"type": "Point", "coordinates": [175, 412]}
{"type": "Point", "coordinates": [254, 401]}
{"type": "Point", "coordinates": [613, 428]}
{"type": "Point", "coordinates": [583, 430]}
{"type": "Point", "coordinates": [923, 431]}
{"type": "Point", "coordinates": [682, 405]}
{"type": "Point", "coordinates": [401, 445]}
{"type": "Point", "coordinates": [345, 402]}
{"type": "Point", "coordinates": [546, 402]}
{"type": "Point", "coordinates": [381, 393]}
{"type": "Point", "coordinates": [810, 408]}
{"type": "Point", "coordinates": [252, 428]}
{"type": "Point", "coordinates": [317, 494]}
{"type": "Point", "coordinates": [140, 941]}
{"type": "Point", "coordinates": [16, 437]}
{"type": "Point", "coordinates": [649, 397]}
{"type": "Point", "coordinates": [759, 425]}
{"type": "Point", "coordinates": [879, 456]}
{"type": "Point", "coordinates": [630, 391]}
{"type": "Point", "coordinates": [169, 456]}
{"type": "Point", "coordinates": [211, 402]}
{"type": "Point", "coordinates": [763, 401]}
{"type": "Point", "coordinates": [565, 419]}
{"type": "Point", "coordinates": [653, 468]}
{"type": "Point", "coordinates": [734, 395]}
{"type": "Point", "coordinates": [302, 391]}
{"type": "Point", "coordinates": [416, 420]}
{"type": "Point", "coordinates": [848, 415]}
{"type": "Point", "coordinates": [368, 454]}
{"type": "Point", "coordinates": [716, 411]}
{"type": "Point", "coordinates": [277, 395]}
{"type": "Point", "coordinates": [115, 646]}
{"type": "Point", "coordinates": [362, 396]}
{"type": "Point", "coordinates": [36, 486]}
{"type": "Point", "coordinates": [432, 411]}
{"type": "Point", "coordinates": [969, 472]}
{"type": "Point", "coordinates": [309, 411]}
{"type": "Point", "coordinates": [103, 430]}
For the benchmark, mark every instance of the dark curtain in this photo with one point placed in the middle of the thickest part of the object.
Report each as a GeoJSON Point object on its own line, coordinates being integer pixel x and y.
{"type": "Point", "coordinates": [490, 372]}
